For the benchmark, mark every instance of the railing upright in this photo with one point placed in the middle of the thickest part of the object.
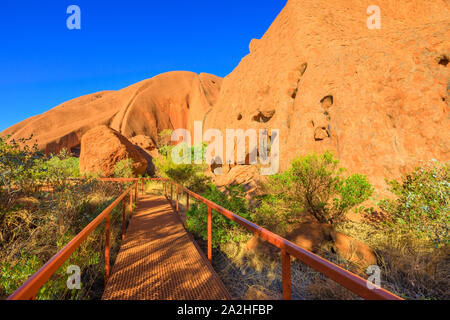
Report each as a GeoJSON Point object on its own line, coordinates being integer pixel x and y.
{"type": "Point", "coordinates": [107, 246]}
{"type": "Point", "coordinates": [209, 235]}
{"type": "Point", "coordinates": [286, 275]}
{"type": "Point", "coordinates": [187, 203]}
{"type": "Point", "coordinates": [123, 218]}
{"type": "Point", "coordinates": [136, 191]}
{"type": "Point", "coordinates": [178, 211]}
{"type": "Point", "coordinates": [131, 201]}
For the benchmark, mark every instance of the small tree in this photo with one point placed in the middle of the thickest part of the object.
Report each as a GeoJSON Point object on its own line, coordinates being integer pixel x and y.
{"type": "Point", "coordinates": [422, 202]}
{"type": "Point", "coordinates": [124, 168]}
{"type": "Point", "coordinates": [224, 229]}
{"type": "Point", "coordinates": [189, 175]}
{"type": "Point", "coordinates": [315, 183]}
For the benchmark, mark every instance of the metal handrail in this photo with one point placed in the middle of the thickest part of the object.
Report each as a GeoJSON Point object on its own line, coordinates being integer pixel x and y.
{"type": "Point", "coordinates": [344, 277]}
{"type": "Point", "coordinates": [29, 289]}
{"type": "Point", "coordinates": [347, 279]}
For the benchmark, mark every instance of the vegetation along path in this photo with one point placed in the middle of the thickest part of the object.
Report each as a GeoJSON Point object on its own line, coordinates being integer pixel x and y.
{"type": "Point", "coordinates": [159, 259]}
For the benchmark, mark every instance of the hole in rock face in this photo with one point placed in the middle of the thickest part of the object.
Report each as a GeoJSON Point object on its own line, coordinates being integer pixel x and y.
{"type": "Point", "coordinates": [443, 60]}
{"type": "Point", "coordinates": [321, 133]}
{"type": "Point", "coordinates": [294, 94]}
{"type": "Point", "coordinates": [327, 102]}
{"type": "Point", "coordinates": [263, 116]}
{"type": "Point", "coordinates": [303, 68]}
{"type": "Point", "coordinates": [76, 150]}
{"type": "Point", "coordinates": [239, 117]}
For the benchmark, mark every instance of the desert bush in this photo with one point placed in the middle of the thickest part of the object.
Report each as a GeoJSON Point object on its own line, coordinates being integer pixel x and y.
{"type": "Point", "coordinates": [60, 165]}
{"type": "Point", "coordinates": [41, 209]}
{"type": "Point", "coordinates": [189, 175]}
{"type": "Point", "coordinates": [124, 169]}
{"type": "Point", "coordinates": [18, 166]}
{"type": "Point", "coordinates": [224, 230]}
{"type": "Point", "coordinates": [164, 139]}
{"type": "Point", "coordinates": [315, 184]}
{"type": "Point", "coordinates": [422, 202]}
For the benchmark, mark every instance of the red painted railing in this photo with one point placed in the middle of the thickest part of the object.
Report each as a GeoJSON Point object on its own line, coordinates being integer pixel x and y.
{"type": "Point", "coordinates": [351, 281]}
{"type": "Point", "coordinates": [344, 277]}
{"type": "Point", "coordinates": [29, 289]}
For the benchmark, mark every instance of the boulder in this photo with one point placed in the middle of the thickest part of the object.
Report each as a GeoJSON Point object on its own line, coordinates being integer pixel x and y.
{"type": "Point", "coordinates": [261, 247]}
{"type": "Point", "coordinates": [311, 236]}
{"type": "Point", "coordinates": [147, 147]}
{"type": "Point", "coordinates": [354, 251]}
{"type": "Point", "coordinates": [102, 147]}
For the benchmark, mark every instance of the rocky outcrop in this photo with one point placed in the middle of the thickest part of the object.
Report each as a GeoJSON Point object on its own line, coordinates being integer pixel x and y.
{"type": "Point", "coordinates": [147, 147]}
{"type": "Point", "coordinates": [168, 101]}
{"type": "Point", "coordinates": [102, 148]}
{"type": "Point", "coordinates": [317, 238]}
{"type": "Point", "coordinates": [354, 251]}
{"type": "Point", "coordinates": [311, 236]}
{"type": "Point", "coordinates": [379, 99]}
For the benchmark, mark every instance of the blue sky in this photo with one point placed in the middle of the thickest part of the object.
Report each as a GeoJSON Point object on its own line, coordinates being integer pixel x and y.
{"type": "Point", "coordinates": [43, 63]}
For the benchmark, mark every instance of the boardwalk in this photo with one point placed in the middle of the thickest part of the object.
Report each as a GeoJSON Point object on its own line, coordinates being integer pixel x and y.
{"type": "Point", "coordinates": [158, 260]}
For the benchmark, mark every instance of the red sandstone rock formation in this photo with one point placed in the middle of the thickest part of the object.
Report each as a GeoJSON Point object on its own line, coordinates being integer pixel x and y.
{"type": "Point", "coordinates": [102, 148]}
{"type": "Point", "coordinates": [168, 101]}
{"type": "Point", "coordinates": [379, 99]}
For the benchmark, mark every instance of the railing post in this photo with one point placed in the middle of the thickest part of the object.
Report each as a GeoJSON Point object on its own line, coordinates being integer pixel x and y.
{"type": "Point", "coordinates": [142, 185]}
{"type": "Point", "coordinates": [209, 235]}
{"type": "Point", "coordinates": [131, 201]}
{"type": "Point", "coordinates": [171, 193]}
{"type": "Point", "coordinates": [187, 203]}
{"type": "Point", "coordinates": [123, 218]}
{"type": "Point", "coordinates": [107, 244]}
{"type": "Point", "coordinates": [286, 274]}
{"type": "Point", "coordinates": [136, 191]}
{"type": "Point", "coordinates": [178, 212]}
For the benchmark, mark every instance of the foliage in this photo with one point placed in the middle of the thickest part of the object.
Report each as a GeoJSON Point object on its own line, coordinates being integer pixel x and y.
{"type": "Point", "coordinates": [223, 229]}
{"type": "Point", "coordinates": [41, 209]}
{"type": "Point", "coordinates": [164, 138]}
{"type": "Point", "coordinates": [313, 183]}
{"type": "Point", "coordinates": [17, 165]}
{"type": "Point", "coordinates": [13, 276]}
{"type": "Point", "coordinates": [422, 202]}
{"type": "Point", "coordinates": [187, 174]}
{"type": "Point", "coordinates": [124, 169]}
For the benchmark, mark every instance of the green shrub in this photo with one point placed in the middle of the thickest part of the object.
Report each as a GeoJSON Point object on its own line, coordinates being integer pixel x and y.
{"type": "Point", "coordinates": [189, 175]}
{"type": "Point", "coordinates": [18, 165]}
{"type": "Point", "coordinates": [41, 210]}
{"type": "Point", "coordinates": [313, 183]}
{"type": "Point", "coordinates": [13, 276]}
{"type": "Point", "coordinates": [223, 229]}
{"type": "Point", "coordinates": [124, 169]}
{"type": "Point", "coordinates": [60, 165]}
{"type": "Point", "coordinates": [422, 202]}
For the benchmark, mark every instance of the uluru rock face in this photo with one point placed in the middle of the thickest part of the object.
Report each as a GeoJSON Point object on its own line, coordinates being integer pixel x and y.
{"type": "Point", "coordinates": [379, 99]}
{"type": "Point", "coordinates": [168, 101]}
{"type": "Point", "coordinates": [102, 147]}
